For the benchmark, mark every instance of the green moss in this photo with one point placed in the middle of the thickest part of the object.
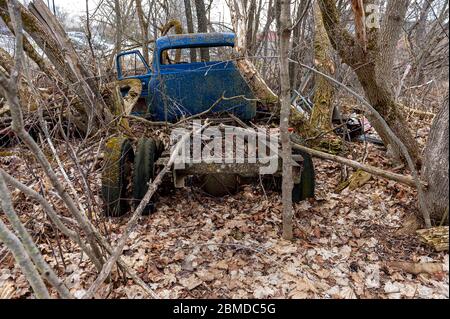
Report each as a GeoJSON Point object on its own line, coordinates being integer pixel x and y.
{"type": "Point", "coordinates": [6, 153]}
{"type": "Point", "coordinates": [113, 148]}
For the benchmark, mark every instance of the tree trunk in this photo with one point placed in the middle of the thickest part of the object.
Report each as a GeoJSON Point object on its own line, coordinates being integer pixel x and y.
{"type": "Point", "coordinates": [118, 27]}
{"type": "Point", "coordinates": [435, 166]}
{"type": "Point", "coordinates": [374, 67]}
{"type": "Point", "coordinates": [143, 23]}
{"type": "Point", "coordinates": [30, 247]}
{"type": "Point", "coordinates": [202, 26]}
{"type": "Point", "coordinates": [287, 186]}
{"type": "Point", "coordinates": [250, 25]}
{"type": "Point", "coordinates": [297, 38]}
{"type": "Point", "coordinates": [178, 28]}
{"type": "Point", "coordinates": [324, 92]}
{"type": "Point", "coordinates": [382, 99]}
{"type": "Point", "coordinates": [190, 26]}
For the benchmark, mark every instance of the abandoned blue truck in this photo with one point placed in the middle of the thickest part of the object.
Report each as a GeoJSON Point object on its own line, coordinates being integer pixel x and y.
{"type": "Point", "coordinates": [191, 74]}
{"type": "Point", "coordinates": [173, 89]}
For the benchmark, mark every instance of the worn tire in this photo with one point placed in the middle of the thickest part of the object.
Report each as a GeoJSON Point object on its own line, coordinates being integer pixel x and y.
{"type": "Point", "coordinates": [144, 169]}
{"type": "Point", "coordinates": [306, 188]}
{"type": "Point", "coordinates": [118, 161]}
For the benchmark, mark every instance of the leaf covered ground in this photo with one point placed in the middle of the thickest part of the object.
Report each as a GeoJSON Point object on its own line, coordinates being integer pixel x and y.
{"type": "Point", "coordinates": [347, 244]}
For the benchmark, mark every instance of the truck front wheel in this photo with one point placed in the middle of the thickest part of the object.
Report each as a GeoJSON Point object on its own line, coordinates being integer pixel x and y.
{"type": "Point", "coordinates": [147, 153]}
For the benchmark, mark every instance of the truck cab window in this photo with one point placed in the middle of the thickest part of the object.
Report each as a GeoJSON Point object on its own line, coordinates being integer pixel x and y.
{"type": "Point", "coordinates": [132, 65]}
{"type": "Point", "coordinates": [184, 55]}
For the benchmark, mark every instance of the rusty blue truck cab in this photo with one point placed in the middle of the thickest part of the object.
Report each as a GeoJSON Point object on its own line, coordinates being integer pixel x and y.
{"type": "Point", "coordinates": [175, 89]}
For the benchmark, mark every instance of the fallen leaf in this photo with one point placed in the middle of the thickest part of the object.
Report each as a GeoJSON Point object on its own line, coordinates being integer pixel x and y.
{"type": "Point", "coordinates": [191, 282]}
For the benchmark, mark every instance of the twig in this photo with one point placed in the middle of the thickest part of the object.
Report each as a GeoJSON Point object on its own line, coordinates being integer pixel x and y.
{"type": "Point", "coordinates": [73, 235]}
{"type": "Point", "coordinates": [9, 89]}
{"type": "Point", "coordinates": [28, 243]}
{"type": "Point", "coordinates": [15, 246]}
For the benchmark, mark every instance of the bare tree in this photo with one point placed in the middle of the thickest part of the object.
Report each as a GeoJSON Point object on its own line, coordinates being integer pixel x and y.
{"type": "Point", "coordinates": [190, 26]}
{"type": "Point", "coordinates": [435, 170]}
{"type": "Point", "coordinates": [285, 35]}
{"type": "Point", "coordinates": [202, 26]}
{"type": "Point", "coordinates": [143, 23]}
{"type": "Point", "coordinates": [324, 92]}
{"type": "Point", "coordinates": [119, 28]}
{"type": "Point", "coordinates": [373, 66]}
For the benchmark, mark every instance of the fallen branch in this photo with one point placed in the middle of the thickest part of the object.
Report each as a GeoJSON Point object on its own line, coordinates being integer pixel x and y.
{"type": "Point", "coordinates": [411, 110]}
{"type": "Point", "coordinates": [404, 179]}
{"type": "Point", "coordinates": [20, 255]}
{"type": "Point", "coordinates": [417, 268]}
{"type": "Point", "coordinates": [147, 122]}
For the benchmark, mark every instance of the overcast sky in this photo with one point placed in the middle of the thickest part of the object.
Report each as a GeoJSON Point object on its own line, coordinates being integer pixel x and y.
{"type": "Point", "coordinates": [73, 6]}
{"type": "Point", "coordinates": [78, 7]}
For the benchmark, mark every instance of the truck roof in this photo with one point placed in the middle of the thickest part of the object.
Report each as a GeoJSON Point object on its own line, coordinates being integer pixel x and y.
{"type": "Point", "coordinates": [195, 40]}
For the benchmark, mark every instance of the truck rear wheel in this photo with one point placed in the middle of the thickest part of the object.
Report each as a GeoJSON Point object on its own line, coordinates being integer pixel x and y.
{"type": "Point", "coordinates": [147, 154]}
{"type": "Point", "coordinates": [116, 174]}
{"type": "Point", "coordinates": [219, 185]}
{"type": "Point", "coordinates": [306, 188]}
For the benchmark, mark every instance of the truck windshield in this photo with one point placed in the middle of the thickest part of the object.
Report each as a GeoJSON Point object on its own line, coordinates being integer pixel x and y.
{"type": "Point", "coordinates": [192, 55]}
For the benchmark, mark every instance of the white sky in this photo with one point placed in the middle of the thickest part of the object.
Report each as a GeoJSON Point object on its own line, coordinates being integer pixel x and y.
{"type": "Point", "coordinates": [78, 7]}
{"type": "Point", "coordinates": [73, 6]}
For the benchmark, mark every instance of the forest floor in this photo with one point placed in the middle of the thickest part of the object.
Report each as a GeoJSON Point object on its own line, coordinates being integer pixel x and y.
{"type": "Point", "coordinates": [196, 246]}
